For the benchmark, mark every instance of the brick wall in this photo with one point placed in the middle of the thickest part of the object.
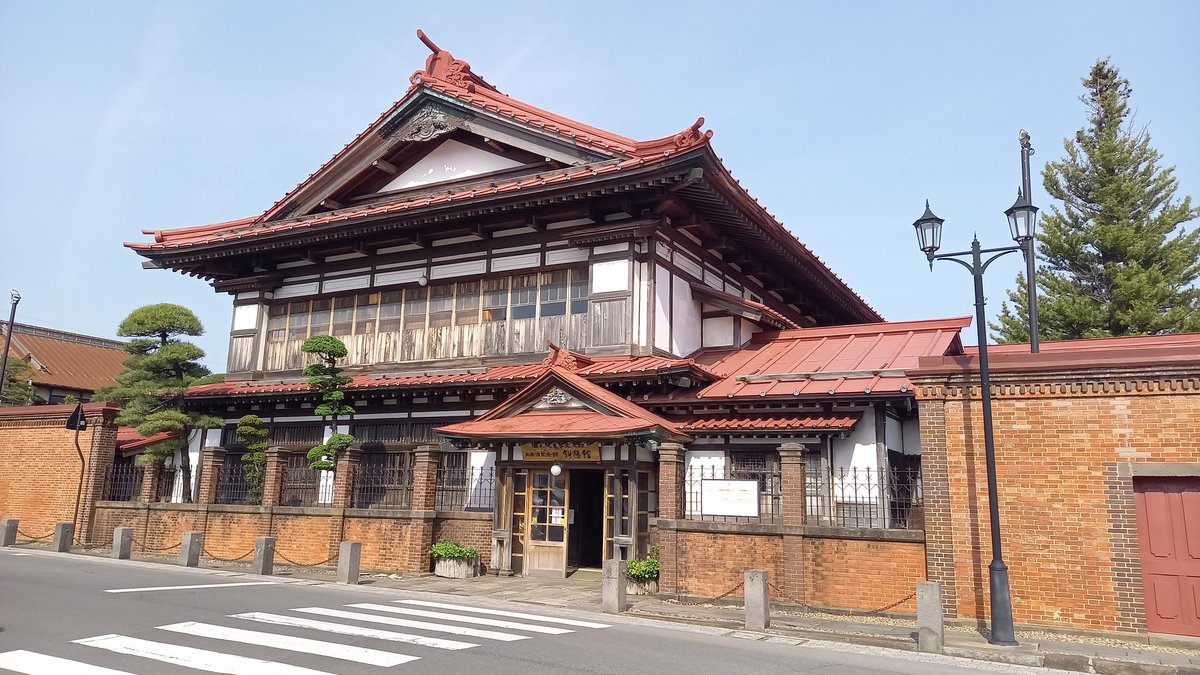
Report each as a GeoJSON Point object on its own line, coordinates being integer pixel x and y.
{"type": "Point", "coordinates": [831, 569]}
{"type": "Point", "coordinates": [472, 532]}
{"type": "Point", "coordinates": [39, 483]}
{"type": "Point", "coordinates": [1068, 439]}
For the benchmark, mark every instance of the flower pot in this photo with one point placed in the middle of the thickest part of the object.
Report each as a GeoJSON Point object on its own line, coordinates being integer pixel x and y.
{"type": "Point", "coordinates": [455, 568]}
{"type": "Point", "coordinates": [647, 587]}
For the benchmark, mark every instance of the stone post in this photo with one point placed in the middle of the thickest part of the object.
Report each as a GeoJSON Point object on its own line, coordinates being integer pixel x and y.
{"type": "Point", "coordinates": [122, 542]}
{"type": "Point", "coordinates": [349, 557]}
{"type": "Point", "coordinates": [264, 556]}
{"type": "Point", "coordinates": [426, 459]}
{"type": "Point", "coordinates": [343, 477]}
{"type": "Point", "coordinates": [931, 617]}
{"type": "Point", "coordinates": [189, 552]}
{"type": "Point", "coordinates": [212, 460]}
{"type": "Point", "coordinates": [64, 533]}
{"type": "Point", "coordinates": [757, 594]}
{"type": "Point", "coordinates": [10, 532]}
{"type": "Point", "coordinates": [273, 476]}
{"type": "Point", "coordinates": [150, 474]}
{"type": "Point", "coordinates": [612, 592]}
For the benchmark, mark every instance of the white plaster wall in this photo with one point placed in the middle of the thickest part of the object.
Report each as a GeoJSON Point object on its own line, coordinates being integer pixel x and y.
{"type": "Point", "coordinates": [718, 331]}
{"type": "Point", "coordinates": [245, 317]}
{"type": "Point", "coordinates": [856, 453]}
{"type": "Point", "coordinates": [685, 319]}
{"type": "Point", "coordinates": [697, 465]}
{"type": "Point", "coordinates": [483, 482]}
{"type": "Point", "coordinates": [610, 275]}
{"type": "Point", "coordinates": [449, 161]}
{"type": "Point", "coordinates": [642, 304]}
{"type": "Point", "coordinates": [893, 434]}
{"type": "Point", "coordinates": [662, 308]}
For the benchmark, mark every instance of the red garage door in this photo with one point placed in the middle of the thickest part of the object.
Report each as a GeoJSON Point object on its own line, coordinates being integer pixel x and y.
{"type": "Point", "coordinates": [1168, 517]}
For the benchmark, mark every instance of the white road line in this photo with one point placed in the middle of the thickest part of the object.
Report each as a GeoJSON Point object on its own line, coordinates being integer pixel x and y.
{"type": "Point", "coordinates": [190, 657]}
{"type": "Point", "coordinates": [358, 631]}
{"type": "Point", "coordinates": [501, 612]}
{"type": "Point", "coordinates": [464, 619]}
{"type": "Point", "coordinates": [189, 587]}
{"type": "Point", "coordinates": [371, 657]}
{"type": "Point", "coordinates": [408, 623]}
{"type": "Point", "coordinates": [32, 663]}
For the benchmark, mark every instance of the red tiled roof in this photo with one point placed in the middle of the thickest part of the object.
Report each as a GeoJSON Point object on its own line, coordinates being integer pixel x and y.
{"type": "Point", "coordinates": [858, 359]}
{"type": "Point", "coordinates": [128, 438]}
{"type": "Point", "coordinates": [562, 424]}
{"type": "Point", "coordinates": [68, 360]}
{"type": "Point", "coordinates": [1160, 352]}
{"type": "Point", "coordinates": [249, 228]}
{"type": "Point", "coordinates": [842, 422]}
{"type": "Point", "coordinates": [599, 368]}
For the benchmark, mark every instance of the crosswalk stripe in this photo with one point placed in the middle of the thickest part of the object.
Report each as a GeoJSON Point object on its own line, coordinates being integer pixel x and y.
{"type": "Point", "coordinates": [408, 623]}
{"type": "Point", "coordinates": [498, 623]}
{"type": "Point", "coordinates": [190, 657]}
{"type": "Point", "coordinates": [32, 663]}
{"type": "Point", "coordinates": [358, 631]}
{"type": "Point", "coordinates": [501, 612]}
{"type": "Point", "coordinates": [189, 587]}
{"type": "Point", "coordinates": [373, 657]}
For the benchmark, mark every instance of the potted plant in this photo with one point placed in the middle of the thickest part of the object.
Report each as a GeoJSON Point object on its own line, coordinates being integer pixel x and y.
{"type": "Point", "coordinates": [641, 575]}
{"type": "Point", "coordinates": [453, 561]}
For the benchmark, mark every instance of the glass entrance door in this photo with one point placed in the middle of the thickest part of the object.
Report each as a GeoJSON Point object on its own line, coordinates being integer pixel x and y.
{"type": "Point", "coordinates": [546, 543]}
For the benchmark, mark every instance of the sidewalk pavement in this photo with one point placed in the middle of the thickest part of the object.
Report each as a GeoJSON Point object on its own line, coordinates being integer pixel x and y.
{"type": "Point", "coordinates": [1107, 654]}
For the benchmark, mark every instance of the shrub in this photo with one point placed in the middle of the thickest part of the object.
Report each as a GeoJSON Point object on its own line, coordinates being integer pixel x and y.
{"type": "Point", "coordinates": [451, 550]}
{"type": "Point", "coordinates": [642, 569]}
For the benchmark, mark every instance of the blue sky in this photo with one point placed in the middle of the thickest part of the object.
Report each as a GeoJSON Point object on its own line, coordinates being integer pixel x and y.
{"type": "Point", "coordinates": [840, 117]}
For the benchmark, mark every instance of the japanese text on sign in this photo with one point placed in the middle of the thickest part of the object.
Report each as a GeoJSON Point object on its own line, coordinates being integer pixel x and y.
{"type": "Point", "coordinates": [561, 453]}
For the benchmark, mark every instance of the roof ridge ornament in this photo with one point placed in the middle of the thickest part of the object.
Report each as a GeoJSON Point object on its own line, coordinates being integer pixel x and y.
{"type": "Point", "coordinates": [564, 358]}
{"type": "Point", "coordinates": [441, 65]}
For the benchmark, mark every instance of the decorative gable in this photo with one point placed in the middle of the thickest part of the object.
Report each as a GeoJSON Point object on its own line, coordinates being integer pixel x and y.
{"type": "Point", "coordinates": [450, 160]}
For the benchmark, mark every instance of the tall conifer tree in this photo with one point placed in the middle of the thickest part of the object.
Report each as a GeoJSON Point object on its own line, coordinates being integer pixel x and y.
{"type": "Point", "coordinates": [1115, 257]}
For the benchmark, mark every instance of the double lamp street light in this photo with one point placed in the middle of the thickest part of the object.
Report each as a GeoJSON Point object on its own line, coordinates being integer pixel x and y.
{"type": "Point", "coordinates": [1022, 223]}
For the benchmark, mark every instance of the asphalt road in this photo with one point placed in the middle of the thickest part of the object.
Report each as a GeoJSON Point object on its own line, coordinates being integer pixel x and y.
{"type": "Point", "coordinates": [55, 607]}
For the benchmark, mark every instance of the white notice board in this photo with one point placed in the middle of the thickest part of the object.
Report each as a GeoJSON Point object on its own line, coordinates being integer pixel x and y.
{"type": "Point", "coordinates": [721, 497]}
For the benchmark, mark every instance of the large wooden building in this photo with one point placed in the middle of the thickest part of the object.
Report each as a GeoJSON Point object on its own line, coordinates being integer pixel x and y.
{"type": "Point", "coordinates": [581, 329]}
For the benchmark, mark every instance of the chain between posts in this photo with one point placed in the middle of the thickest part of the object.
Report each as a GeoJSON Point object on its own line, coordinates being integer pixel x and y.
{"type": "Point", "coordinates": [151, 549]}
{"type": "Point", "coordinates": [317, 564]}
{"type": "Point", "coordinates": [32, 538]}
{"type": "Point", "coordinates": [245, 555]}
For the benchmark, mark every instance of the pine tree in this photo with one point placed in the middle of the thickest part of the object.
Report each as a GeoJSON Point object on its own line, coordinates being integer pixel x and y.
{"type": "Point", "coordinates": [251, 432]}
{"type": "Point", "coordinates": [160, 368]}
{"type": "Point", "coordinates": [1114, 257]}
{"type": "Point", "coordinates": [17, 389]}
{"type": "Point", "coordinates": [326, 377]}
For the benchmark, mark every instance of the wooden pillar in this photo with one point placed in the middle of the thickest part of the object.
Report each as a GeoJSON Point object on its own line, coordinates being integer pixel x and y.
{"type": "Point", "coordinates": [212, 460]}
{"type": "Point", "coordinates": [501, 561]}
{"type": "Point", "coordinates": [273, 476]}
{"type": "Point", "coordinates": [150, 476]}
{"type": "Point", "coordinates": [795, 500]}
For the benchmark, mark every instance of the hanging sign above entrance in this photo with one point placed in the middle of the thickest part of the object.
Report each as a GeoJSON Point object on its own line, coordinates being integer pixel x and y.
{"type": "Point", "coordinates": [561, 453]}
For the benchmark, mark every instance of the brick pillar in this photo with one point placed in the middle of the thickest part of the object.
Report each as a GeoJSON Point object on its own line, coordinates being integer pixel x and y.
{"type": "Point", "coordinates": [670, 481]}
{"type": "Point", "coordinates": [792, 483]}
{"type": "Point", "coordinates": [273, 476]}
{"type": "Point", "coordinates": [150, 474]}
{"type": "Point", "coordinates": [935, 492]}
{"type": "Point", "coordinates": [98, 456]}
{"type": "Point", "coordinates": [670, 509]}
{"type": "Point", "coordinates": [792, 486]}
{"type": "Point", "coordinates": [425, 464]}
{"type": "Point", "coordinates": [343, 477]}
{"type": "Point", "coordinates": [212, 460]}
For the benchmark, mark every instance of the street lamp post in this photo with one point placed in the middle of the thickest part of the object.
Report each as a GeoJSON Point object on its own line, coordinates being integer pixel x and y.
{"type": "Point", "coordinates": [1022, 220]}
{"type": "Point", "coordinates": [12, 316]}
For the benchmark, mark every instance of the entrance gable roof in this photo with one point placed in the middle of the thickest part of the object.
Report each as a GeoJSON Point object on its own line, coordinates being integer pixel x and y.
{"type": "Point", "coordinates": [599, 413]}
